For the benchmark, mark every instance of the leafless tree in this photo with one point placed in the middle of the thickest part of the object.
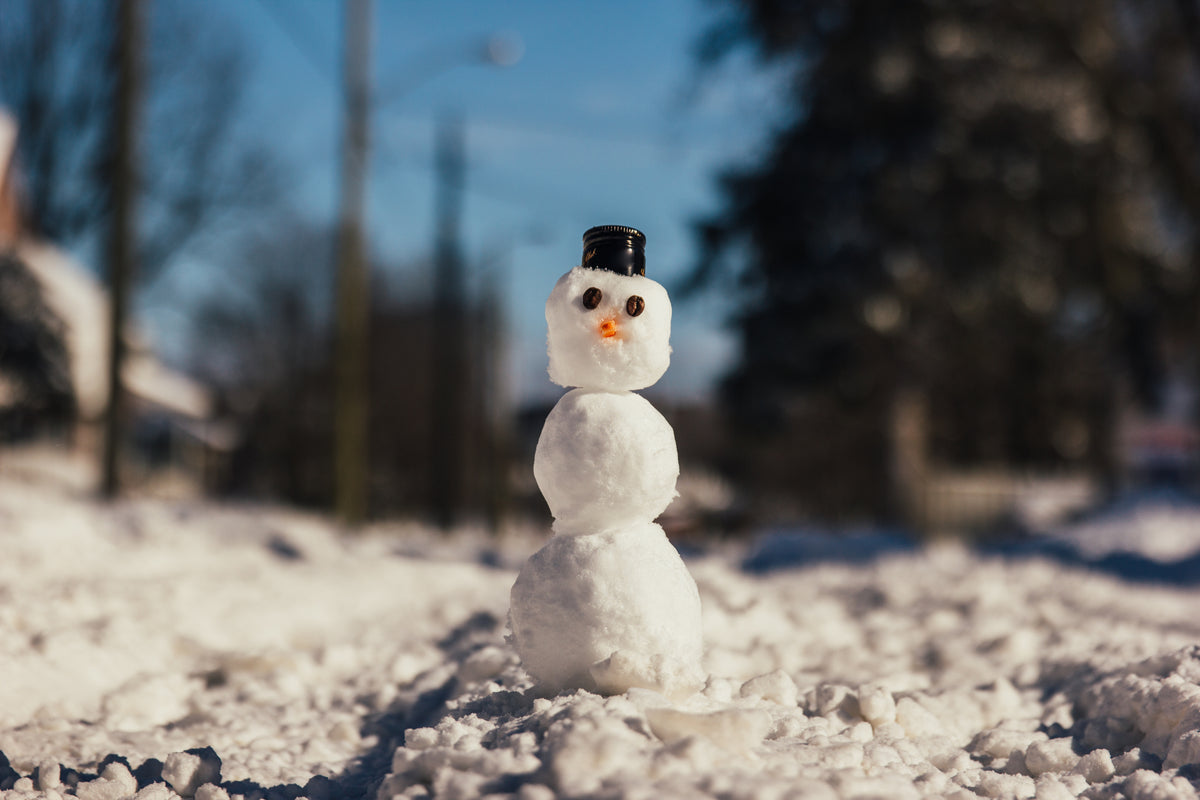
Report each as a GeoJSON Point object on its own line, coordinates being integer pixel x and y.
{"type": "Point", "coordinates": [263, 338]}
{"type": "Point", "coordinates": [199, 175]}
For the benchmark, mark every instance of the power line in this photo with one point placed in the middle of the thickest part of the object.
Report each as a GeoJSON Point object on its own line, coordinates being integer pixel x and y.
{"type": "Point", "coordinates": [708, 142]}
{"type": "Point", "coordinates": [554, 130]}
{"type": "Point", "coordinates": [301, 40]}
{"type": "Point", "coordinates": [496, 185]}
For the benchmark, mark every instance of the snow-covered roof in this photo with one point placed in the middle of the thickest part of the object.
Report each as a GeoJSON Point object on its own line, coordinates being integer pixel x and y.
{"type": "Point", "coordinates": [82, 303]}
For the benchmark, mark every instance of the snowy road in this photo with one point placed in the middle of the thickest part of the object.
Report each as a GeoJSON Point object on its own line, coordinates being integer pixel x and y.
{"type": "Point", "coordinates": [379, 663]}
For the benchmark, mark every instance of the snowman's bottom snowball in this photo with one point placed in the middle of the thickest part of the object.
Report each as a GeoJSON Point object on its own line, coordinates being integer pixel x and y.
{"type": "Point", "coordinates": [609, 611]}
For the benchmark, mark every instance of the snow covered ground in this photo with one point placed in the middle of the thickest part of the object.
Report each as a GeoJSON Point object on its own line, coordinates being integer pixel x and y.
{"type": "Point", "coordinates": [325, 666]}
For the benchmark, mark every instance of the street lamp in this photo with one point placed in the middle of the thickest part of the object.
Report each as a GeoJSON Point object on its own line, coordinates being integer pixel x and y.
{"type": "Point", "coordinates": [499, 49]}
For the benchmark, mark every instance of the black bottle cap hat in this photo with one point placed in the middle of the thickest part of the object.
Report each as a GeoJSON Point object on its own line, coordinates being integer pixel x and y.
{"type": "Point", "coordinates": [615, 248]}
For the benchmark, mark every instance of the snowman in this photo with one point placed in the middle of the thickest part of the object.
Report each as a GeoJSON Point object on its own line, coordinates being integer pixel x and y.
{"type": "Point", "coordinates": [607, 604]}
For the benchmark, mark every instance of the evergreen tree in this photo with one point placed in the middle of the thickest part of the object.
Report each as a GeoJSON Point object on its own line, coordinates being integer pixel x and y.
{"type": "Point", "coordinates": [991, 201]}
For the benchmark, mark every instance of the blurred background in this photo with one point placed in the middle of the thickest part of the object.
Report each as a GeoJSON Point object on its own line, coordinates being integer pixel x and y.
{"type": "Point", "coordinates": [934, 263]}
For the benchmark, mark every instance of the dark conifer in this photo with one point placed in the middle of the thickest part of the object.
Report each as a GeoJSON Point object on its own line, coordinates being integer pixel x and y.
{"type": "Point", "coordinates": [992, 202]}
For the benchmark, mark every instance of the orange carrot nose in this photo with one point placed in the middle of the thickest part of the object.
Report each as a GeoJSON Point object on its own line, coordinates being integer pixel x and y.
{"type": "Point", "coordinates": [608, 328]}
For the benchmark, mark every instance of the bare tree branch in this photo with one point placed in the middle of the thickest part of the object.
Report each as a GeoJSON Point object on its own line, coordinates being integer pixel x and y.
{"type": "Point", "coordinates": [202, 176]}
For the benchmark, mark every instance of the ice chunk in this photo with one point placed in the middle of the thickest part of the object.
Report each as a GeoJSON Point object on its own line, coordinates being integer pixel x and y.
{"type": "Point", "coordinates": [155, 791]}
{"type": "Point", "coordinates": [1048, 787]}
{"type": "Point", "coordinates": [186, 772]}
{"type": "Point", "coordinates": [148, 701]}
{"type": "Point", "coordinates": [736, 730]}
{"type": "Point", "coordinates": [916, 719]}
{"type": "Point", "coordinates": [119, 774]}
{"type": "Point", "coordinates": [994, 784]}
{"type": "Point", "coordinates": [582, 751]}
{"type": "Point", "coordinates": [842, 755]}
{"type": "Point", "coordinates": [49, 775]}
{"type": "Point", "coordinates": [211, 791]}
{"type": "Point", "coordinates": [1055, 755]}
{"type": "Point", "coordinates": [829, 698]}
{"type": "Point", "coordinates": [876, 704]}
{"type": "Point", "coordinates": [114, 783]}
{"type": "Point", "coordinates": [999, 742]}
{"type": "Point", "coordinates": [100, 789]}
{"type": "Point", "coordinates": [1096, 766]}
{"type": "Point", "coordinates": [777, 687]}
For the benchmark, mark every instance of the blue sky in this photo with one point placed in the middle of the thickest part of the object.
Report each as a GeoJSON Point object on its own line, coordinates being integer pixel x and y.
{"type": "Point", "coordinates": [594, 125]}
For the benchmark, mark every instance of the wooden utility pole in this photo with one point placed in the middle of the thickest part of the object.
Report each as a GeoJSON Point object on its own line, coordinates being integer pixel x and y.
{"type": "Point", "coordinates": [490, 350]}
{"type": "Point", "coordinates": [122, 234]}
{"type": "Point", "coordinates": [353, 305]}
{"type": "Point", "coordinates": [449, 306]}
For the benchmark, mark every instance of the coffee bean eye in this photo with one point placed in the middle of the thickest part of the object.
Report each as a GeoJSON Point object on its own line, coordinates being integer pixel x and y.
{"type": "Point", "coordinates": [634, 305]}
{"type": "Point", "coordinates": [592, 297]}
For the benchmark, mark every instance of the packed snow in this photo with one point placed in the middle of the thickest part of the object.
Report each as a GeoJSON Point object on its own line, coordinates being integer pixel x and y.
{"type": "Point", "coordinates": [323, 665]}
{"type": "Point", "coordinates": [1160, 526]}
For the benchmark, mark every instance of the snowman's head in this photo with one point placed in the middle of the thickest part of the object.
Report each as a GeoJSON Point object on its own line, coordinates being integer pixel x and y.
{"type": "Point", "coordinates": [608, 331]}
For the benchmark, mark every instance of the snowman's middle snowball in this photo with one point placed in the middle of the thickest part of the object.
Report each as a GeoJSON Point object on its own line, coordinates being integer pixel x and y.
{"type": "Point", "coordinates": [605, 460]}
